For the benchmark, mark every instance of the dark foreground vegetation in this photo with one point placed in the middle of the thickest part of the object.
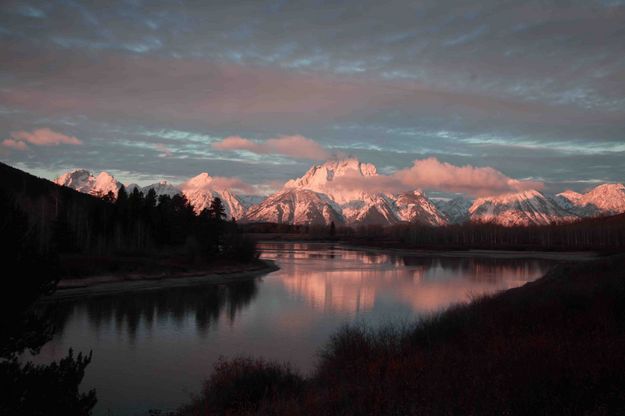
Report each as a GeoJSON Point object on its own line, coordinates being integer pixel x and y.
{"type": "Point", "coordinates": [554, 346]}
{"type": "Point", "coordinates": [596, 234]}
{"type": "Point", "coordinates": [28, 274]}
{"type": "Point", "coordinates": [48, 232]}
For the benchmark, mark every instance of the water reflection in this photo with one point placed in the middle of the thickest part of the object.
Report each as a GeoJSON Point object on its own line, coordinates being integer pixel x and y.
{"type": "Point", "coordinates": [350, 281]}
{"type": "Point", "coordinates": [154, 349]}
{"type": "Point", "coordinates": [126, 312]}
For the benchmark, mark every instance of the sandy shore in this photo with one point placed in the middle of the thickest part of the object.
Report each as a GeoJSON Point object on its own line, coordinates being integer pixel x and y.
{"type": "Point", "coordinates": [111, 284]}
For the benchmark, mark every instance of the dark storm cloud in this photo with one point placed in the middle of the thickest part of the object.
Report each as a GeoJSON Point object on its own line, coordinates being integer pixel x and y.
{"type": "Point", "coordinates": [535, 89]}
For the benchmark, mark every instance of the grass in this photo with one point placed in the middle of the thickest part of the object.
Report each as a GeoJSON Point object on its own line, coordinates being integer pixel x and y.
{"type": "Point", "coordinates": [552, 347]}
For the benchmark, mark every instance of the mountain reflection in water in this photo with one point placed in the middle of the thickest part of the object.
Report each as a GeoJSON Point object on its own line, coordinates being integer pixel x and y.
{"type": "Point", "coordinates": [350, 281]}
{"type": "Point", "coordinates": [153, 349]}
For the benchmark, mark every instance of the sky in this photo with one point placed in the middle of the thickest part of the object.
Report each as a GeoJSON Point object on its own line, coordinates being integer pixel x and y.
{"type": "Point", "coordinates": [258, 91]}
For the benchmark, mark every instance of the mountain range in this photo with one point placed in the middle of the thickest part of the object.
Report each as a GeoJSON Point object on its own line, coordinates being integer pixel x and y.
{"type": "Point", "coordinates": [321, 197]}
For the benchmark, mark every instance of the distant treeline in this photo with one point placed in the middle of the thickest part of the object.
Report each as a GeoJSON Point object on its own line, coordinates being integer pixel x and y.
{"type": "Point", "coordinates": [588, 234]}
{"type": "Point", "coordinates": [62, 220]}
{"type": "Point", "coordinates": [605, 233]}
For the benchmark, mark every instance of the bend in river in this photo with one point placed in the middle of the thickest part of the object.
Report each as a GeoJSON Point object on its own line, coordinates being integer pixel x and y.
{"type": "Point", "coordinates": [152, 350]}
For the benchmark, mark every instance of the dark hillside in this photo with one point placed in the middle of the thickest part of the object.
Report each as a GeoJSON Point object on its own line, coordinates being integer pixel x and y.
{"type": "Point", "coordinates": [133, 233]}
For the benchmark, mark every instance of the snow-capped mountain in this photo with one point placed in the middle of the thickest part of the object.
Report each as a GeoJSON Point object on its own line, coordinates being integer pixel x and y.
{"type": "Point", "coordinates": [83, 181]}
{"type": "Point", "coordinates": [323, 195]}
{"type": "Point", "coordinates": [200, 191]}
{"type": "Point", "coordinates": [522, 208]}
{"type": "Point", "coordinates": [456, 210]}
{"type": "Point", "coordinates": [162, 188]}
{"type": "Point", "coordinates": [321, 178]}
{"type": "Point", "coordinates": [417, 208]}
{"type": "Point", "coordinates": [370, 209]}
{"type": "Point", "coordinates": [606, 199]}
{"type": "Point", "coordinates": [335, 191]}
{"type": "Point", "coordinates": [295, 206]}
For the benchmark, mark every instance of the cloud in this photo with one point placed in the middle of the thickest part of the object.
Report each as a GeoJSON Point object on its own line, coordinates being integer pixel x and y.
{"type": "Point", "coordinates": [296, 146]}
{"type": "Point", "coordinates": [39, 137]}
{"type": "Point", "coordinates": [14, 144]}
{"type": "Point", "coordinates": [235, 185]}
{"type": "Point", "coordinates": [432, 174]}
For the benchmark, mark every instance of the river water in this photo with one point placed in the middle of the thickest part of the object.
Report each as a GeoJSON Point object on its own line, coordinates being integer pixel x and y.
{"type": "Point", "coordinates": [153, 349]}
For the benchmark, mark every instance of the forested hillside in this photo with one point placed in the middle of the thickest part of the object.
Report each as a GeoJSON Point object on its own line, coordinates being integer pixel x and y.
{"type": "Point", "coordinates": [112, 232]}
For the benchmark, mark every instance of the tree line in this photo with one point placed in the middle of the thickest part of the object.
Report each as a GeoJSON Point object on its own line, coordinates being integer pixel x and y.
{"type": "Point", "coordinates": [62, 220]}
{"type": "Point", "coordinates": [600, 234]}
{"type": "Point", "coordinates": [604, 234]}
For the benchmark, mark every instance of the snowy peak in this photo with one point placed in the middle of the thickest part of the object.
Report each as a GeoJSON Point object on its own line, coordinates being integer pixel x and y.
{"type": "Point", "coordinates": [328, 197]}
{"type": "Point", "coordinates": [105, 183]}
{"type": "Point", "coordinates": [200, 191]}
{"type": "Point", "coordinates": [295, 206]}
{"type": "Point", "coordinates": [415, 207]}
{"type": "Point", "coordinates": [83, 181]}
{"type": "Point", "coordinates": [522, 208]}
{"type": "Point", "coordinates": [325, 178]}
{"type": "Point", "coordinates": [78, 179]}
{"type": "Point", "coordinates": [455, 211]}
{"type": "Point", "coordinates": [606, 199]}
{"type": "Point", "coordinates": [203, 180]}
{"type": "Point", "coordinates": [318, 176]}
{"type": "Point", "coordinates": [161, 188]}
{"type": "Point", "coordinates": [571, 196]}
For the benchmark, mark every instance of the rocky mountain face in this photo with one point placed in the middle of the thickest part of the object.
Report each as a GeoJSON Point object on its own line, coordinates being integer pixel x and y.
{"type": "Point", "coordinates": [456, 210]}
{"type": "Point", "coordinates": [606, 199]}
{"type": "Point", "coordinates": [83, 181]}
{"type": "Point", "coordinates": [295, 206]}
{"type": "Point", "coordinates": [523, 208]}
{"type": "Point", "coordinates": [323, 195]}
{"type": "Point", "coordinates": [336, 191]}
{"type": "Point", "coordinates": [200, 191]}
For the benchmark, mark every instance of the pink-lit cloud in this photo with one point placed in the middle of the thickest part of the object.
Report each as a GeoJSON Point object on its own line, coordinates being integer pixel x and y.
{"type": "Point", "coordinates": [14, 144]}
{"type": "Point", "coordinates": [296, 146]}
{"type": "Point", "coordinates": [432, 174]}
{"type": "Point", "coordinates": [235, 185]}
{"type": "Point", "coordinates": [19, 140]}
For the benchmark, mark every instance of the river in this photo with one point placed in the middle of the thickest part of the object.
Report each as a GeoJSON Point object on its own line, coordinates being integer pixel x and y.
{"type": "Point", "coordinates": [153, 349]}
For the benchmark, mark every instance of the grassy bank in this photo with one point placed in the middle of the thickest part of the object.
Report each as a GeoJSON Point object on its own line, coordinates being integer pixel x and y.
{"type": "Point", "coordinates": [554, 346]}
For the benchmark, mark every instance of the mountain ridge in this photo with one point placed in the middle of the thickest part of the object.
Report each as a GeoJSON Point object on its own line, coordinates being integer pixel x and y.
{"type": "Point", "coordinates": [319, 196]}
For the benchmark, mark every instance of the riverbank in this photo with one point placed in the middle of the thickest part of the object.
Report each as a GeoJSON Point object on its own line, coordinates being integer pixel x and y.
{"type": "Point", "coordinates": [493, 254]}
{"type": "Point", "coordinates": [129, 282]}
{"type": "Point", "coordinates": [553, 346]}
{"type": "Point", "coordinates": [414, 252]}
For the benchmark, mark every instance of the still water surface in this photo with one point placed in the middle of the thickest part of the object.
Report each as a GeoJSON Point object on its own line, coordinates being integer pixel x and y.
{"type": "Point", "coordinates": [152, 350]}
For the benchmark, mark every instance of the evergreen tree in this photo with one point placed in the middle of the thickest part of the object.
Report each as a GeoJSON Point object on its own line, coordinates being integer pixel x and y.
{"type": "Point", "coordinates": [150, 199]}
{"type": "Point", "coordinates": [122, 197]}
{"type": "Point", "coordinates": [217, 209]}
